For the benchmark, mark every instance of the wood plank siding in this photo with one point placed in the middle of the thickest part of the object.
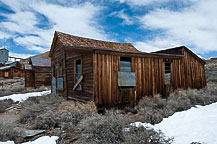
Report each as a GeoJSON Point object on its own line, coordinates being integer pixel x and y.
{"type": "Point", "coordinates": [86, 94]}
{"type": "Point", "coordinates": [149, 78]}
{"type": "Point", "coordinates": [57, 58]}
{"type": "Point", "coordinates": [91, 70]}
{"type": "Point", "coordinates": [42, 76]}
{"type": "Point", "coordinates": [188, 72]}
{"type": "Point", "coordinates": [29, 79]}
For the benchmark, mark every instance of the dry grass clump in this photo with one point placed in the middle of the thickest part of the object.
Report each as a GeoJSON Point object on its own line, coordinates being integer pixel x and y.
{"type": "Point", "coordinates": [111, 129]}
{"type": "Point", "coordinates": [34, 106]}
{"type": "Point", "coordinates": [4, 104]}
{"type": "Point", "coordinates": [153, 110]}
{"type": "Point", "coordinates": [211, 71]}
{"type": "Point", "coordinates": [142, 135]}
{"type": "Point", "coordinates": [8, 132]}
{"type": "Point", "coordinates": [103, 129]}
{"type": "Point", "coordinates": [52, 111]}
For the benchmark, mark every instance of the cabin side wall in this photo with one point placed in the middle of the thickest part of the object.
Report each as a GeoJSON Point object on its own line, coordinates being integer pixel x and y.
{"type": "Point", "coordinates": [86, 94]}
{"type": "Point", "coordinates": [29, 79]}
{"type": "Point", "coordinates": [17, 72]}
{"type": "Point", "coordinates": [58, 56]}
{"type": "Point", "coordinates": [188, 72]}
{"type": "Point", "coordinates": [149, 78]}
{"type": "Point", "coordinates": [42, 76]}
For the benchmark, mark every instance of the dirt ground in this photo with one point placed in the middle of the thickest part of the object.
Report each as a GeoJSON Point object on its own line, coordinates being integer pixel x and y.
{"type": "Point", "coordinates": [9, 118]}
{"type": "Point", "coordinates": [11, 84]}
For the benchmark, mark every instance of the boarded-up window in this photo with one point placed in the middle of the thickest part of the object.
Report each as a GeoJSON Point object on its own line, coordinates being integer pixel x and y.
{"type": "Point", "coordinates": [78, 73]}
{"type": "Point", "coordinates": [125, 64]}
{"type": "Point", "coordinates": [167, 66]}
{"type": "Point", "coordinates": [60, 82]}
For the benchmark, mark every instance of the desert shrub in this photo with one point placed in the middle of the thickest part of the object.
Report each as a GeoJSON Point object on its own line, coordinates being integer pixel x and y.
{"type": "Point", "coordinates": [113, 127]}
{"type": "Point", "coordinates": [35, 106]}
{"type": "Point", "coordinates": [144, 135]}
{"type": "Point", "coordinates": [153, 110]}
{"type": "Point", "coordinates": [18, 88]}
{"type": "Point", "coordinates": [210, 69]}
{"type": "Point", "coordinates": [5, 92]}
{"type": "Point", "coordinates": [4, 104]}
{"type": "Point", "coordinates": [103, 129]}
{"type": "Point", "coordinates": [50, 119]}
{"type": "Point", "coordinates": [7, 132]}
{"type": "Point", "coordinates": [46, 120]}
{"type": "Point", "coordinates": [67, 119]}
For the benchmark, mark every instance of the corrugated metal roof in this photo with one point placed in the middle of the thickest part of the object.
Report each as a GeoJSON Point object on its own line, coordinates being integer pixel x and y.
{"type": "Point", "coordinates": [10, 62]}
{"type": "Point", "coordinates": [40, 62]}
{"type": "Point", "coordinates": [8, 66]}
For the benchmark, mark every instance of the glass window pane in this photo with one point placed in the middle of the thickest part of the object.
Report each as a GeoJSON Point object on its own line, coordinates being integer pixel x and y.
{"type": "Point", "coordinates": [78, 66]}
{"type": "Point", "coordinates": [125, 64]}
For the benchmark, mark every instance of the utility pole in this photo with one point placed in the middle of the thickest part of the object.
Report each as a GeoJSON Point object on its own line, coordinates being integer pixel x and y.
{"type": "Point", "coordinates": [4, 41]}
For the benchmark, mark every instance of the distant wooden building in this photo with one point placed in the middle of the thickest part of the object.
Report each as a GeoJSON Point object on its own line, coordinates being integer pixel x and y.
{"type": "Point", "coordinates": [110, 73]}
{"type": "Point", "coordinates": [11, 70]}
{"type": "Point", "coordinates": [38, 72]}
{"type": "Point", "coordinates": [214, 58]}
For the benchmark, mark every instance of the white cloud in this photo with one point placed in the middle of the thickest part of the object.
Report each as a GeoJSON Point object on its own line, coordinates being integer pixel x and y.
{"type": "Point", "coordinates": [194, 26]}
{"type": "Point", "coordinates": [127, 20]}
{"type": "Point", "coordinates": [4, 35]}
{"type": "Point", "coordinates": [20, 22]}
{"type": "Point", "coordinates": [77, 19]}
{"type": "Point", "coordinates": [19, 55]}
{"type": "Point", "coordinates": [142, 2]}
{"type": "Point", "coordinates": [156, 44]}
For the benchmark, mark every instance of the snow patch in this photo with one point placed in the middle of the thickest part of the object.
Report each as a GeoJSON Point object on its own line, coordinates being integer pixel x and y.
{"type": "Point", "coordinates": [23, 97]}
{"type": "Point", "coordinates": [197, 124]}
{"type": "Point", "coordinates": [41, 140]}
{"type": "Point", "coordinates": [44, 140]}
{"type": "Point", "coordinates": [7, 142]}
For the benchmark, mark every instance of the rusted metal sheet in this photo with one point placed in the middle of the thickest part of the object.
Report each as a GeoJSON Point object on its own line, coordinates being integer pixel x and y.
{"type": "Point", "coordinates": [40, 62]}
{"type": "Point", "coordinates": [53, 85]}
{"type": "Point", "coordinates": [126, 79]}
{"type": "Point", "coordinates": [60, 82]}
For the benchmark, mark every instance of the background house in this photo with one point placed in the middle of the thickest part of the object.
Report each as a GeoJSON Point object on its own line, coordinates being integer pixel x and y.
{"type": "Point", "coordinates": [11, 70]}
{"type": "Point", "coordinates": [111, 73]}
{"type": "Point", "coordinates": [38, 71]}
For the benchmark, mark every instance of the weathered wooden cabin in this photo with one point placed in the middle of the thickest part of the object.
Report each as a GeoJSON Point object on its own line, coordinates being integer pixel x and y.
{"type": "Point", "coordinates": [190, 72]}
{"type": "Point", "coordinates": [11, 70]}
{"type": "Point", "coordinates": [38, 72]}
{"type": "Point", "coordinates": [110, 73]}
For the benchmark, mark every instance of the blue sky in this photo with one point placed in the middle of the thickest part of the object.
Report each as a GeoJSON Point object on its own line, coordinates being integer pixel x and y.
{"type": "Point", "coordinates": [150, 25]}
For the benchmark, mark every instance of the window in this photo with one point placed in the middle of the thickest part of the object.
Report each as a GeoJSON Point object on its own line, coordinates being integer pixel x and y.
{"type": "Point", "coordinates": [60, 69]}
{"type": "Point", "coordinates": [125, 64]}
{"type": "Point", "coordinates": [78, 73]}
{"type": "Point", "coordinates": [54, 71]}
{"type": "Point", "coordinates": [167, 68]}
{"type": "Point", "coordinates": [126, 78]}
